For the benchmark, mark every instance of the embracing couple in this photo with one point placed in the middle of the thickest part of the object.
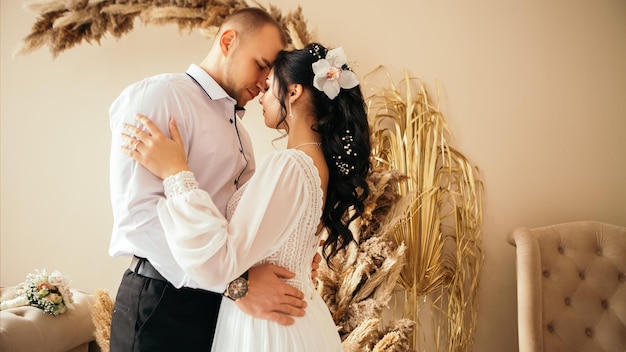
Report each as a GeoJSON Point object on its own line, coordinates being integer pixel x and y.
{"type": "Point", "coordinates": [224, 257]}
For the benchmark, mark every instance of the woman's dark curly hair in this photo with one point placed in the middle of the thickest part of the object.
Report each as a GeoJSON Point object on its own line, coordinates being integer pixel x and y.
{"type": "Point", "coordinates": [342, 124]}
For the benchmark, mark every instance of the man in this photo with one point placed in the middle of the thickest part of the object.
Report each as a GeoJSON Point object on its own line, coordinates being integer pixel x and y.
{"type": "Point", "coordinates": [158, 307]}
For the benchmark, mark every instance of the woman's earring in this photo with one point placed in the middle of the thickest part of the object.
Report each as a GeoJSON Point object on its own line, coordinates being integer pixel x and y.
{"type": "Point", "coordinates": [290, 110]}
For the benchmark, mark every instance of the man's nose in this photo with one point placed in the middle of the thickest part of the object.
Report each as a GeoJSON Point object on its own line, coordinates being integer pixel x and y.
{"type": "Point", "coordinates": [262, 84]}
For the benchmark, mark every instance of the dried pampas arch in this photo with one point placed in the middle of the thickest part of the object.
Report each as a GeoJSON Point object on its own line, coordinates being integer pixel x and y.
{"type": "Point", "coordinates": [420, 234]}
{"type": "Point", "coordinates": [63, 24]}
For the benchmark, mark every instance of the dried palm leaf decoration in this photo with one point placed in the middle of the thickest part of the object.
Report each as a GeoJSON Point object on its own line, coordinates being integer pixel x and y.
{"type": "Point", "coordinates": [443, 225]}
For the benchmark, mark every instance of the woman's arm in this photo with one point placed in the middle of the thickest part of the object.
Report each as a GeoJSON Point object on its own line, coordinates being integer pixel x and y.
{"type": "Point", "coordinates": [209, 249]}
{"type": "Point", "coordinates": [212, 250]}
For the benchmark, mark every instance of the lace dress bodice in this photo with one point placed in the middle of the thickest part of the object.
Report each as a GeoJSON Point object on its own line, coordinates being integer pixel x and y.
{"type": "Point", "coordinates": [274, 218]}
{"type": "Point", "coordinates": [298, 249]}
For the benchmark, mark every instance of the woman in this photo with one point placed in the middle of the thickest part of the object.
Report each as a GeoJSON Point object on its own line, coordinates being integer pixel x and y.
{"type": "Point", "coordinates": [316, 100]}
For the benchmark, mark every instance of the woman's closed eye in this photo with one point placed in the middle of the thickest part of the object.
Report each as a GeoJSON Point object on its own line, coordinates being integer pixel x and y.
{"type": "Point", "coordinates": [267, 85]}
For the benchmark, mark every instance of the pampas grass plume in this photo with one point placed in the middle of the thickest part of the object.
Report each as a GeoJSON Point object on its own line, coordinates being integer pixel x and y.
{"type": "Point", "coordinates": [101, 313]}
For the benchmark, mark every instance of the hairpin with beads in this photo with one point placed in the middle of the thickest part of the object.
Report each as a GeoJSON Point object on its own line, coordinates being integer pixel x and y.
{"type": "Point", "coordinates": [342, 163]}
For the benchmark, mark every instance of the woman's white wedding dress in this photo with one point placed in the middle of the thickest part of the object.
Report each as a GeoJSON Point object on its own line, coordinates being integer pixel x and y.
{"type": "Point", "coordinates": [273, 218]}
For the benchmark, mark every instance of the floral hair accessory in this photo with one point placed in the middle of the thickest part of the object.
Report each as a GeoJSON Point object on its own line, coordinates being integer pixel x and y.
{"type": "Point", "coordinates": [49, 292]}
{"type": "Point", "coordinates": [330, 76]}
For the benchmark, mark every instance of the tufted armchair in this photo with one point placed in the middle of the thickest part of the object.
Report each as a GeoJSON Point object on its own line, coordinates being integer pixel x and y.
{"type": "Point", "coordinates": [571, 287]}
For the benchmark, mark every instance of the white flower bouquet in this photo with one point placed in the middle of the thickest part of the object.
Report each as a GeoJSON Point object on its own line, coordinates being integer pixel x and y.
{"type": "Point", "coordinates": [49, 292]}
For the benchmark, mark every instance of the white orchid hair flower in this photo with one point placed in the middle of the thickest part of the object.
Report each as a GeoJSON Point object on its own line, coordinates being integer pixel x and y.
{"type": "Point", "coordinates": [329, 75]}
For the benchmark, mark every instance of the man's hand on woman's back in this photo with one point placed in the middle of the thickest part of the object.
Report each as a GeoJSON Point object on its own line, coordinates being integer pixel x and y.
{"type": "Point", "coordinates": [271, 298]}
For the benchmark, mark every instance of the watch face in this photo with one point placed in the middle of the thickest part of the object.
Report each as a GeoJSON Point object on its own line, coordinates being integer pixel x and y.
{"type": "Point", "coordinates": [238, 288]}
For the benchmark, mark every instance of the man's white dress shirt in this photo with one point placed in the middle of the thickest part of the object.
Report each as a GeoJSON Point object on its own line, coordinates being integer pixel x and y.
{"type": "Point", "coordinates": [213, 139]}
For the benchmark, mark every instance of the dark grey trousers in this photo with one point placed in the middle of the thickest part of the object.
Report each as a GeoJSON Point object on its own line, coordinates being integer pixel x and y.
{"type": "Point", "coordinates": [151, 315]}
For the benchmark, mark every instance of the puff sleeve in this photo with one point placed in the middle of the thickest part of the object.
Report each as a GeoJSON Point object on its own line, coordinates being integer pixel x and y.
{"type": "Point", "coordinates": [213, 251]}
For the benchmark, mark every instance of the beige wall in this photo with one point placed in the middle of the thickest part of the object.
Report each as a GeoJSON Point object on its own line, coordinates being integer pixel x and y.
{"type": "Point", "coordinates": [533, 91]}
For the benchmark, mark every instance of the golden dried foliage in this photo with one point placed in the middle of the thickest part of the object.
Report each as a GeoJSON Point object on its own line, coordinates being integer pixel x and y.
{"type": "Point", "coordinates": [101, 313]}
{"type": "Point", "coordinates": [443, 226]}
{"type": "Point", "coordinates": [63, 24]}
{"type": "Point", "coordinates": [365, 273]}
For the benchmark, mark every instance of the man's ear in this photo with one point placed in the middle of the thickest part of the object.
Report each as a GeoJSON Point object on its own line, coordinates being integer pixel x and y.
{"type": "Point", "coordinates": [226, 40]}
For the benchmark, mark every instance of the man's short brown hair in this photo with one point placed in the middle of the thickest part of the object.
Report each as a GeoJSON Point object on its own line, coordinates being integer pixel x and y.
{"type": "Point", "coordinates": [249, 20]}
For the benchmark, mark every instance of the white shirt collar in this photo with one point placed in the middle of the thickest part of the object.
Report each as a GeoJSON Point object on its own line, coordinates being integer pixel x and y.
{"type": "Point", "coordinates": [212, 89]}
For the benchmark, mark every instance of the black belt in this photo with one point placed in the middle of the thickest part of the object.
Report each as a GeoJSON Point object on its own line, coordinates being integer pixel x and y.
{"type": "Point", "coordinates": [142, 266]}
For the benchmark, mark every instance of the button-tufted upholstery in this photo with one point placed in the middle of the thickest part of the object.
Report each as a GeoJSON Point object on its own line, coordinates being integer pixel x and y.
{"type": "Point", "coordinates": [571, 287]}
